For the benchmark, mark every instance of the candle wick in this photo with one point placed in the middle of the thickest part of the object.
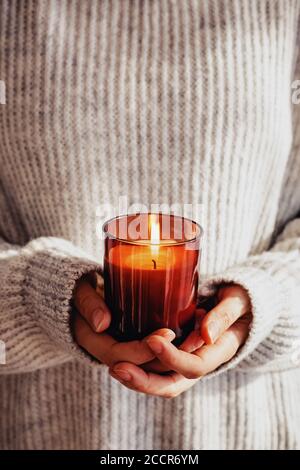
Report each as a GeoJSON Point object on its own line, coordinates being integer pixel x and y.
{"type": "Point", "coordinates": [154, 264]}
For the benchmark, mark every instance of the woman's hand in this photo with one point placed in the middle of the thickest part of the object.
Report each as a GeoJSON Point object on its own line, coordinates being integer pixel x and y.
{"type": "Point", "coordinates": [222, 331]}
{"type": "Point", "coordinates": [93, 318]}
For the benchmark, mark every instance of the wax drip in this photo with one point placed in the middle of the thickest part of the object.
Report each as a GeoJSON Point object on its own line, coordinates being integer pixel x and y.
{"type": "Point", "coordinates": [154, 264]}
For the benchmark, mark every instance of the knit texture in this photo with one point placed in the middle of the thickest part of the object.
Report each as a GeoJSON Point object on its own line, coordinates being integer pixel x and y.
{"type": "Point", "coordinates": [164, 102]}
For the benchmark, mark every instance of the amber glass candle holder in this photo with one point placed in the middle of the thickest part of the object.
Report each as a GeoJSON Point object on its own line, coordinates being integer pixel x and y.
{"type": "Point", "coordinates": [151, 274]}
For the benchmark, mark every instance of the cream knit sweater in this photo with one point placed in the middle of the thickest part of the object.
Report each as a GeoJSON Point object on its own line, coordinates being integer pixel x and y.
{"type": "Point", "coordinates": [163, 101]}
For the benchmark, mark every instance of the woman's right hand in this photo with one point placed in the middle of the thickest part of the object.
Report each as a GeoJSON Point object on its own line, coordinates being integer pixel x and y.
{"type": "Point", "coordinates": [93, 318]}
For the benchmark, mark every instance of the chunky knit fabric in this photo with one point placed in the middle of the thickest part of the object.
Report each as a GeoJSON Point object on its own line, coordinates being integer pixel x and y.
{"type": "Point", "coordinates": [162, 101]}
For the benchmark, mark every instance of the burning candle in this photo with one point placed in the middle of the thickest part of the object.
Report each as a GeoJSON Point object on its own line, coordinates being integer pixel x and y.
{"type": "Point", "coordinates": [151, 274]}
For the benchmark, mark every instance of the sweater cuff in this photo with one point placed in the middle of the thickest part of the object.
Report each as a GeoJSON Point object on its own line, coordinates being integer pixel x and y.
{"type": "Point", "coordinates": [268, 300]}
{"type": "Point", "coordinates": [52, 268]}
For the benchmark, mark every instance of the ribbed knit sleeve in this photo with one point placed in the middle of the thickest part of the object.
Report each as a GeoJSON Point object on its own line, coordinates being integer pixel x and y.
{"type": "Point", "coordinates": [36, 287]}
{"type": "Point", "coordinates": [272, 280]}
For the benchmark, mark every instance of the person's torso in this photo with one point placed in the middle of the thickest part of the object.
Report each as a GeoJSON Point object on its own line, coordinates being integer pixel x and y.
{"type": "Point", "coordinates": [160, 102]}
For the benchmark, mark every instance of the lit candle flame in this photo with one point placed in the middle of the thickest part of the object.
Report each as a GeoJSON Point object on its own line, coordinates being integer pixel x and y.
{"type": "Point", "coordinates": [154, 234]}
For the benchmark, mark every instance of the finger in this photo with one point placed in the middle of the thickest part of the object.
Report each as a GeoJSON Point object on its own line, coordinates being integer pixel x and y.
{"type": "Point", "coordinates": [205, 359]}
{"type": "Point", "coordinates": [234, 302]}
{"type": "Point", "coordinates": [225, 348]}
{"type": "Point", "coordinates": [155, 366]}
{"type": "Point", "coordinates": [190, 344]}
{"type": "Point", "coordinates": [135, 378]}
{"type": "Point", "coordinates": [92, 307]}
{"type": "Point", "coordinates": [107, 350]}
{"type": "Point", "coordinates": [137, 351]}
{"type": "Point", "coordinates": [95, 344]}
{"type": "Point", "coordinates": [168, 334]}
{"type": "Point", "coordinates": [175, 359]}
{"type": "Point", "coordinates": [194, 340]}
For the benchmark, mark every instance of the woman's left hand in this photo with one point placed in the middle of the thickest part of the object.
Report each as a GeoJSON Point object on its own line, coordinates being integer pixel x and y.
{"type": "Point", "coordinates": [221, 333]}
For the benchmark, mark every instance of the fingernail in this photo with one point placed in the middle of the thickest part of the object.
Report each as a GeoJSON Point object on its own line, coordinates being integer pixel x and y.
{"type": "Point", "coordinates": [122, 374]}
{"type": "Point", "coordinates": [155, 345]}
{"type": "Point", "coordinates": [213, 330]}
{"type": "Point", "coordinates": [169, 334]}
{"type": "Point", "coordinates": [98, 317]}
